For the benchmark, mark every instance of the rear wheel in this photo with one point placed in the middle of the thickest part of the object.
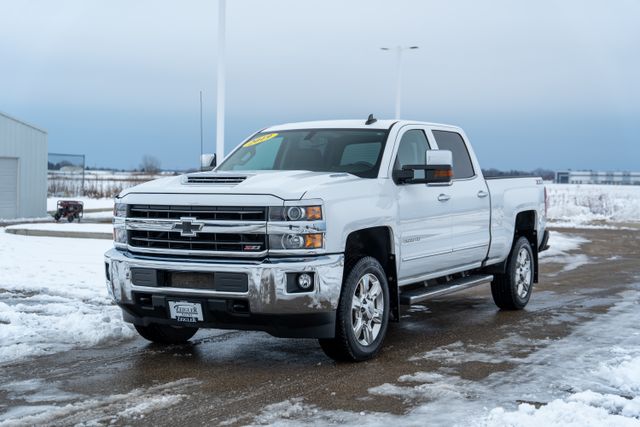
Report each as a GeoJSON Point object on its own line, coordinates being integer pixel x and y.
{"type": "Point", "coordinates": [512, 290]}
{"type": "Point", "coordinates": [363, 313]}
{"type": "Point", "coordinates": [166, 334]}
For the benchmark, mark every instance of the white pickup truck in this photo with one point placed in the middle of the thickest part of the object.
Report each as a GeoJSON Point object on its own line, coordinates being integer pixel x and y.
{"type": "Point", "coordinates": [323, 230]}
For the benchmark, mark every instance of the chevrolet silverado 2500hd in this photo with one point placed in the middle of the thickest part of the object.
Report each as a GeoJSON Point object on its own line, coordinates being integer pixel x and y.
{"type": "Point", "coordinates": [323, 230]}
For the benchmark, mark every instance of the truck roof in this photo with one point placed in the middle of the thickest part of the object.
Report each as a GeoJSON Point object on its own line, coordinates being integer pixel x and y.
{"type": "Point", "coordinates": [349, 124]}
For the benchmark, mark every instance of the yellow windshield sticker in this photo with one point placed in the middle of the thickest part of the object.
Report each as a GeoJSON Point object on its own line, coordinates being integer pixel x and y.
{"type": "Point", "coordinates": [260, 139]}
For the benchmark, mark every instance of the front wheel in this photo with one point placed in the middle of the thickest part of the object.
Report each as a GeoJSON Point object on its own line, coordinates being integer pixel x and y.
{"type": "Point", "coordinates": [363, 313]}
{"type": "Point", "coordinates": [166, 334]}
{"type": "Point", "coordinates": [512, 290]}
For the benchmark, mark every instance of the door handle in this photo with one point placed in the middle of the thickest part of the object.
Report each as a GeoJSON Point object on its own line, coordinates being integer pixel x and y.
{"type": "Point", "coordinates": [444, 197]}
{"type": "Point", "coordinates": [482, 194]}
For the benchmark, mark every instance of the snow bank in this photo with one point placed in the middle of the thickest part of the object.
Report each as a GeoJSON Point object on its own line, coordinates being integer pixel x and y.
{"type": "Point", "coordinates": [53, 296]}
{"type": "Point", "coordinates": [581, 204]}
{"type": "Point", "coordinates": [66, 226]}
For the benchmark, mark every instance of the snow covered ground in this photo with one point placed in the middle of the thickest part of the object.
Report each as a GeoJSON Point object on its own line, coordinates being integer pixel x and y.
{"type": "Point", "coordinates": [53, 296]}
{"type": "Point", "coordinates": [580, 205]}
{"type": "Point", "coordinates": [81, 227]}
{"type": "Point", "coordinates": [563, 250]}
{"type": "Point", "coordinates": [124, 409]}
{"type": "Point", "coordinates": [590, 378]}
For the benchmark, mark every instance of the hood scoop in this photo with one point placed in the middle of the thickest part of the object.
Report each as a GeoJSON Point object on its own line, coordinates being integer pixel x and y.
{"type": "Point", "coordinates": [214, 179]}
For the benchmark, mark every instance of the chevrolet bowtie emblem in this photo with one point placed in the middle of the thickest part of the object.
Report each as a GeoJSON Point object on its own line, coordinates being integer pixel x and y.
{"type": "Point", "coordinates": [188, 226]}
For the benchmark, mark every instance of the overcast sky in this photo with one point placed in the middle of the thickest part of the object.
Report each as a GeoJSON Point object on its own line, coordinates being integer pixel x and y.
{"type": "Point", "coordinates": [544, 83]}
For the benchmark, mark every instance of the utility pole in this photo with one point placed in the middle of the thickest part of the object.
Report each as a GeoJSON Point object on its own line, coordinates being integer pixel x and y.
{"type": "Point", "coordinates": [221, 81]}
{"type": "Point", "coordinates": [201, 132]}
{"type": "Point", "coordinates": [398, 50]}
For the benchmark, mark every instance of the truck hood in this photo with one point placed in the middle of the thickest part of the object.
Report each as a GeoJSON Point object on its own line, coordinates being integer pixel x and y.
{"type": "Point", "coordinates": [286, 185]}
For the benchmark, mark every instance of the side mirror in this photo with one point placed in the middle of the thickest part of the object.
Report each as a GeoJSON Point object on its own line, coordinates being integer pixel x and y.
{"type": "Point", "coordinates": [439, 167]}
{"type": "Point", "coordinates": [436, 170]}
{"type": "Point", "coordinates": [208, 162]}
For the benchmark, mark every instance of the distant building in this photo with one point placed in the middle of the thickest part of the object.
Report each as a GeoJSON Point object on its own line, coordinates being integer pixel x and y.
{"type": "Point", "coordinates": [595, 177]}
{"type": "Point", "coordinates": [23, 169]}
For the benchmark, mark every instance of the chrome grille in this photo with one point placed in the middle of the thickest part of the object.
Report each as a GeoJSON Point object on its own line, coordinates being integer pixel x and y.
{"type": "Point", "coordinates": [225, 242]}
{"type": "Point", "coordinates": [160, 230]}
{"type": "Point", "coordinates": [220, 213]}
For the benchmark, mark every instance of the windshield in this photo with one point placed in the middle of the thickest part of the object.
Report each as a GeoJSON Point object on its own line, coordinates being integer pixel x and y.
{"type": "Point", "coordinates": [355, 151]}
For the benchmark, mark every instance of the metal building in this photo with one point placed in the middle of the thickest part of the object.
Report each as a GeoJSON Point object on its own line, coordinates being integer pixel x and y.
{"type": "Point", "coordinates": [23, 169]}
{"type": "Point", "coordinates": [596, 177]}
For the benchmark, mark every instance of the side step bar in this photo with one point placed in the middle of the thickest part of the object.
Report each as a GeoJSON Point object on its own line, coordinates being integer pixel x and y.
{"type": "Point", "coordinates": [415, 296]}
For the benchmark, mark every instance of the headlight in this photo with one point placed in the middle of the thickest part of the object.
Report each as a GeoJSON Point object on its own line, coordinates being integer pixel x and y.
{"type": "Point", "coordinates": [295, 213]}
{"type": "Point", "coordinates": [120, 210]}
{"type": "Point", "coordinates": [296, 241]}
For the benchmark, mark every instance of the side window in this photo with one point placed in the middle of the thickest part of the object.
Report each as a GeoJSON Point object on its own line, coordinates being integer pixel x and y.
{"type": "Point", "coordinates": [452, 141]}
{"type": "Point", "coordinates": [412, 148]}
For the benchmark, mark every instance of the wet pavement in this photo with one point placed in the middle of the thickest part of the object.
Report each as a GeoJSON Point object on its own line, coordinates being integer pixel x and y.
{"type": "Point", "coordinates": [229, 377]}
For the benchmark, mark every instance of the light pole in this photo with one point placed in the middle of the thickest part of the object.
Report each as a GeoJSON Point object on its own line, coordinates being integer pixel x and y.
{"type": "Point", "coordinates": [221, 82]}
{"type": "Point", "coordinates": [398, 50]}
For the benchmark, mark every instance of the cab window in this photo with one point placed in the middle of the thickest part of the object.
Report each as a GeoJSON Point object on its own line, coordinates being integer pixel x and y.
{"type": "Point", "coordinates": [452, 141]}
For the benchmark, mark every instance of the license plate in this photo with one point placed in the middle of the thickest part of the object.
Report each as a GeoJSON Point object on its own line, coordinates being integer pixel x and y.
{"type": "Point", "coordinates": [184, 311]}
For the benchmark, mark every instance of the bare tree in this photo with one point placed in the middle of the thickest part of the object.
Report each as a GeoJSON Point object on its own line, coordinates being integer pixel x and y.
{"type": "Point", "coordinates": [150, 164]}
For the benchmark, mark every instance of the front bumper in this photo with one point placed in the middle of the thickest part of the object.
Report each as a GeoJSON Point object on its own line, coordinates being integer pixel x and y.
{"type": "Point", "coordinates": [266, 306]}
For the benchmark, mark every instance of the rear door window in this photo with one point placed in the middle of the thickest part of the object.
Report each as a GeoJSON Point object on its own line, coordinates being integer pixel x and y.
{"type": "Point", "coordinates": [452, 141]}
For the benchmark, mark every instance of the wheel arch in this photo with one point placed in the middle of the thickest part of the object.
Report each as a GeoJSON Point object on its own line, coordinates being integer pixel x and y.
{"type": "Point", "coordinates": [525, 225]}
{"type": "Point", "coordinates": [377, 242]}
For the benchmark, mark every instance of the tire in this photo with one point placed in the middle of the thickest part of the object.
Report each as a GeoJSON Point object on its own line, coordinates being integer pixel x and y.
{"type": "Point", "coordinates": [364, 307]}
{"type": "Point", "coordinates": [165, 334]}
{"type": "Point", "coordinates": [70, 218]}
{"type": "Point", "coordinates": [512, 290]}
{"type": "Point", "coordinates": [56, 217]}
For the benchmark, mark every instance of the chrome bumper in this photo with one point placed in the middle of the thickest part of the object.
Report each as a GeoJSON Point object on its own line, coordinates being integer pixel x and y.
{"type": "Point", "coordinates": [267, 290]}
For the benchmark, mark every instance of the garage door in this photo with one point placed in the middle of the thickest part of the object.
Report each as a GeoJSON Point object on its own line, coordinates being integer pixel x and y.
{"type": "Point", "coordinates": [8, 187]}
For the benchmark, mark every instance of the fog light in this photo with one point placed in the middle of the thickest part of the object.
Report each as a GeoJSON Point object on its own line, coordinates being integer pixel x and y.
{"type": "Point", "coordinates": [305, 281]}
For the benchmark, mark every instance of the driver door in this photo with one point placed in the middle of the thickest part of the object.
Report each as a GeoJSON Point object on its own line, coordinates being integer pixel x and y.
{"type": "Point", "coordinates": [423, 214]}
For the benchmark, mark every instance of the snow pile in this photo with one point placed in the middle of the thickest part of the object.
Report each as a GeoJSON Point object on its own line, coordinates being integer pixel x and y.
{"type": "Point", "coordinates": [579, 410]}
{"type": "Point", "coordinates": [582, 204]}
{"type": "Point", "coordinates": [53, 296]}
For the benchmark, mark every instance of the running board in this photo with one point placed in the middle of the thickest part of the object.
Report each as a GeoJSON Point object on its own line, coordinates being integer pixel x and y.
{"type": "Point", "coordinates": [415, 296]}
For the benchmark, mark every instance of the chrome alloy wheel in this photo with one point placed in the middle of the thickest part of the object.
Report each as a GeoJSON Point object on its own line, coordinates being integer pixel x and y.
{"type": "Point", "coordinates": [523, 273]}
{"type": "Point", "coordinates": [367, 309]}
